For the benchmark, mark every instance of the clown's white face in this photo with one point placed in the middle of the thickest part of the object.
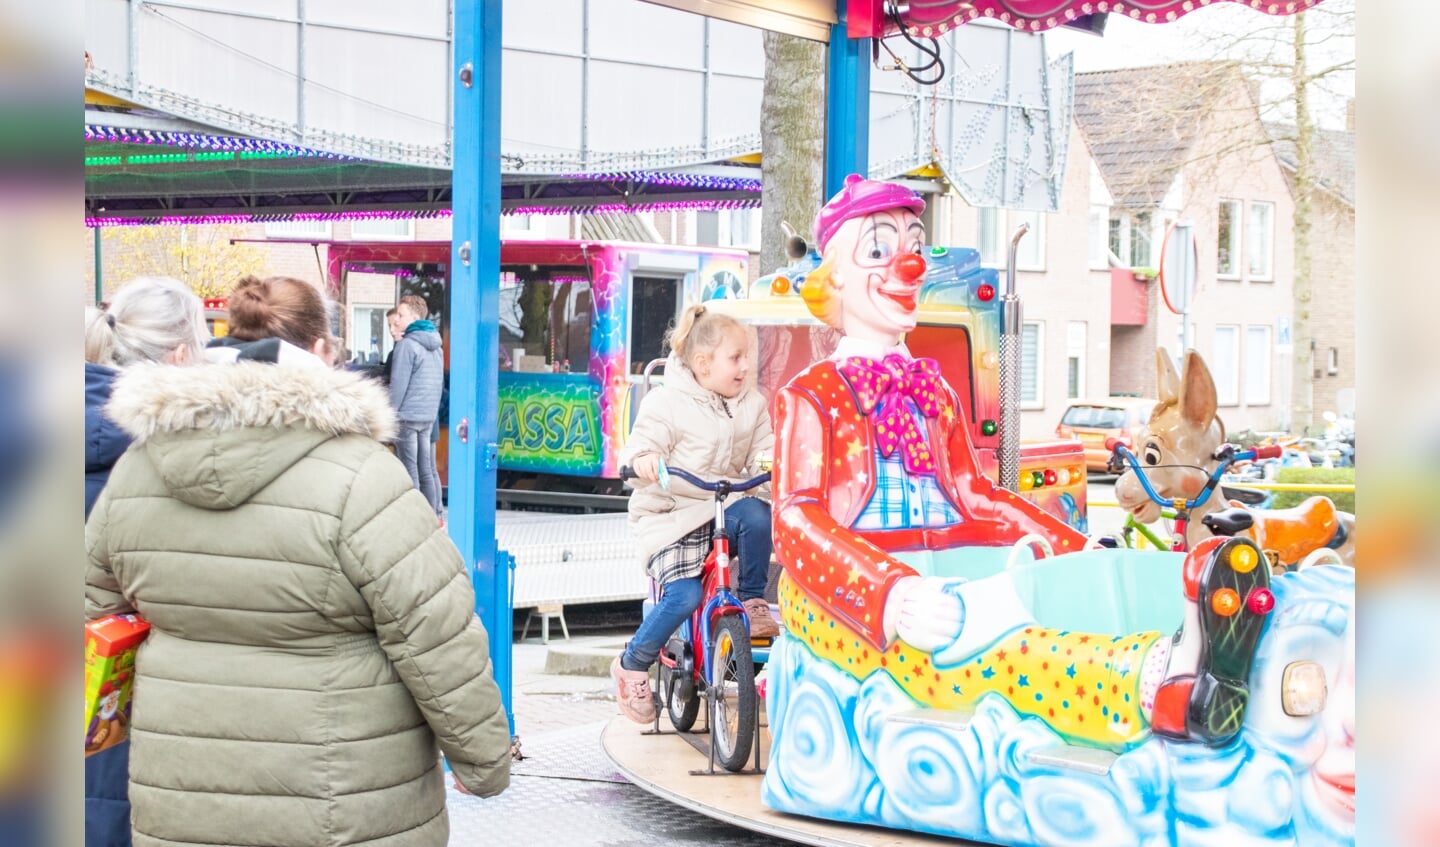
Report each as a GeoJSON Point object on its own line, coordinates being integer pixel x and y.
{"type": "Point", "coordinates": [878, 271]}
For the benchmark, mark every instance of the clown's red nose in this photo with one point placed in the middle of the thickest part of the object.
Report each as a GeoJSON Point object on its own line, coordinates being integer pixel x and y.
{"type": "Point", "coordinates": [909, 267]}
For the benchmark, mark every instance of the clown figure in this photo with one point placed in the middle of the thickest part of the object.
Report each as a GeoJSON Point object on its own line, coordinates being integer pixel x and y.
{"type": "Point", "coordinates": [873, 459]}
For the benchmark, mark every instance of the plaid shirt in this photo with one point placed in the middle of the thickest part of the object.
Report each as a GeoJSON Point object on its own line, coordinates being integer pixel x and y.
{"type": "Point", "coordinates": [903, 500]}
{"type": "Point", "coordinates": [682, 559]}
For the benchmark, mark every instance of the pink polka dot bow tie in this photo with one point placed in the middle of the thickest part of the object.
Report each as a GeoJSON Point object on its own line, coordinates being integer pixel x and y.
{"type": "Point", "coordinates": [887, 383]}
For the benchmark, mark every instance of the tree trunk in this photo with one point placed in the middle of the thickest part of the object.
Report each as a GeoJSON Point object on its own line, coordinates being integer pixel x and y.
{"type": "Point", "coordinates": [1302, 334]}
{"type": "Point", "coordinates": [792, 142]}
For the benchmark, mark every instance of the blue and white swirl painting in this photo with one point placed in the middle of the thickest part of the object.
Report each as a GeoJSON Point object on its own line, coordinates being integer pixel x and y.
{"type": "Point", "coordinates": [860, 751]}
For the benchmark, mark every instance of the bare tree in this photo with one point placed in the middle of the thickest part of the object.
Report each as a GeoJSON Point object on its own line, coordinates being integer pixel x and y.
{"type": "Point", "coordinates": [1296, 60]}
{"type": "Point", "coordinates": [1175, 116]}
{"type": "Point", "coordinates": [792, 142]}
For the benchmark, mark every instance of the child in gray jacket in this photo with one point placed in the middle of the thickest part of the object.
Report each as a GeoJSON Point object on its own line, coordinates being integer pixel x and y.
{"type": "Point", "coordinates": [417, 374]}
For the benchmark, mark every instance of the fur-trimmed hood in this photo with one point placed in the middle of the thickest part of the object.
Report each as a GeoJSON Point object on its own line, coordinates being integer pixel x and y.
{"type": "Point", "coordinates": [218, 433]}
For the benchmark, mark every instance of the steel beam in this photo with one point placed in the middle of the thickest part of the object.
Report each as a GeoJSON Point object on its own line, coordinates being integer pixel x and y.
{"type": "Point", "coordinates": [474, 324]}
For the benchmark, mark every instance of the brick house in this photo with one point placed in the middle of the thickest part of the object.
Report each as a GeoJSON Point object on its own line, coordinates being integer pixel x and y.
{"type": "Point", "coordinates": [1184, 143]}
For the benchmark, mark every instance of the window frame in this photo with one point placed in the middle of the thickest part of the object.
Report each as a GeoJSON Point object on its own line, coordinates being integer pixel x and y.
{"type": "Point", "coordinates": [1219, 376]}
{"type": "Point", "coordinates": [1268, 238]}
{"type": "Point", "coordinates": [320, 230]}
{"type": "Point", "coordinates": [1237, 239]}
{"type": "Point", "coordinates": [1039, 372]}
{"type": "Point", "coordinates": [999, 248]}
{"type": "Point", "coordinates": [1077, 352]}
{"type": "Point", "coordinates": [1259, 399]}
{"type": "Point", "coordinates": [387, 344]}
{"type": "Point", "coordinates": [408, 236]}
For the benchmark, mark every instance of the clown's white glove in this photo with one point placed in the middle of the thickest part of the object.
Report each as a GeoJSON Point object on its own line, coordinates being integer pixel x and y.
{"type": "Point", "coordinates": [924, 612]}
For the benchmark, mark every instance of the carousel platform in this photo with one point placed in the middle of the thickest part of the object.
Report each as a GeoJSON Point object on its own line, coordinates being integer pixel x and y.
{"type": "Point", "coordinates": [673, 766]}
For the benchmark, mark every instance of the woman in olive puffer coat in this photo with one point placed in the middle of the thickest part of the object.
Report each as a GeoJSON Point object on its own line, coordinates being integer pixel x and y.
{"type": "Point", "coordinates": [313, 630]}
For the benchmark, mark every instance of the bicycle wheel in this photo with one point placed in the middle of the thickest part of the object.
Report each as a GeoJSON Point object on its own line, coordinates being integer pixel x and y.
{"type": "Point", "coordinates": [682, 700]}
{"type": "Point", "coordinates": [733, 700]}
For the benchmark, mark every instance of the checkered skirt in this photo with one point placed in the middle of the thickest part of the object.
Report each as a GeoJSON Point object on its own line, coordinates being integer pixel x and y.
{"type": "Point", "coordinates": [683, 558]}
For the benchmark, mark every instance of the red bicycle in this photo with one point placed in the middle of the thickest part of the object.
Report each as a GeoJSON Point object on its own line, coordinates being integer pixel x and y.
{"type": "Point", "coordinates": [710, 656]}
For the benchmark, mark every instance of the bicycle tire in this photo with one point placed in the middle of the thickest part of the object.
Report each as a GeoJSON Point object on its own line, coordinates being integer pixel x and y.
{"type": "Point", "coordinates": [682, 710]}
{"type": "Point", "coordinates": [733, 699]}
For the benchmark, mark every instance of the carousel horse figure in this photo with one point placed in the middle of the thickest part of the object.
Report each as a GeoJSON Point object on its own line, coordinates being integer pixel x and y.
{"type": "Point", "coordinates": [1176, 448]}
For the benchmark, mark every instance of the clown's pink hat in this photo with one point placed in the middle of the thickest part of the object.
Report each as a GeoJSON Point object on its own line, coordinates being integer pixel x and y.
{"type": "Point", "coordinates": [862, 197]}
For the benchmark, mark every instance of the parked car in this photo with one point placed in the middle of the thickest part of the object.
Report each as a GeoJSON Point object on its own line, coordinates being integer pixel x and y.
{"type": "Point", "coordinates": [1094, 421]}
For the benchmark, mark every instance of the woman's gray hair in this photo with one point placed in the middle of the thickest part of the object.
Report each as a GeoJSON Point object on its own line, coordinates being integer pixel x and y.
{"type": "Point", "coordinates": [148, 318]}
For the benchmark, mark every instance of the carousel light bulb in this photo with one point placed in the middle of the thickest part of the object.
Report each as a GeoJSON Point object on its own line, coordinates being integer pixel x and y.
{"type": "Point", "coordinates": [1062, 476]}
{"type": "Point", "coordinates": [989, 360]}
{"type": "Point", "coordinates": [986, 292]}
{"type": "Point", "coordinates": [1260, 601]}
{"type": "Point", "coordinates": [988, 427]}
{"type": "Point", "coordinates": [780, 286]}
{"type": "Point", "coordinates": [1051, 477]}
{"type": "Point", "coordinates": [1243, 559]}
{"type": "Point", "coordinates": [1225, 602]}
{"type": "Point", "coordinates": [1037, 479]}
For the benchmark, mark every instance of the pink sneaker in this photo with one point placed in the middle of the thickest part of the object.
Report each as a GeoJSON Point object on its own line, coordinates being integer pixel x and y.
{"type": "Point", "coordinates": [632, 691]}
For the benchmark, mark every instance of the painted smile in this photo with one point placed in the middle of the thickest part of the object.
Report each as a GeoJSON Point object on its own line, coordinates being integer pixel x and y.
{"type": "Point", "coordinates": [904, 295]}
{"type": "Point", "coordinates": [1338, 790]}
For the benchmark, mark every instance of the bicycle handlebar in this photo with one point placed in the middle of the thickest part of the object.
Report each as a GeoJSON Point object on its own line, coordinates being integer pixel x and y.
{"type": "Point", "coordinates": [627, 472]}
{"type": "Point", "coordinates": [1226, 456]}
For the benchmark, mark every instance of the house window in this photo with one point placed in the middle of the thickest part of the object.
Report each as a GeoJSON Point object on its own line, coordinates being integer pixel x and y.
{"type": "Point", "coordinates": [1032, 354]}
{"type": "Point", "coordinates": [1075, 360]}
{"type": "Point", "coordinates": [518, 224]}
{"type": "Point", "coordinates": [1140, 235]}
{"type": "Point", "coordinates": [300, 230]}
{"type": "Point", "coordinates": [382, 229]}
{"type": "Point", "coordinates": [1261, 237]}
{"type": "Point", "coordinates": [1334, 362]}
{"type": "Point", "coordinates": [1257, 365]}
{"type": "Point", "coordinates": [1225, 365]}
{"type": "Point", "coordinates": [1118, 236]}
{"type": "Point", "coordinates": [1099, 238]}
{"type": "Point", "coordinates": [1227, 260]}
{"type": "Point", "coordinates": [734, 228]}
{"type": "Point", "coordinates": [996, 226]}
{"type": "Point", "coordinates": [370, 340]}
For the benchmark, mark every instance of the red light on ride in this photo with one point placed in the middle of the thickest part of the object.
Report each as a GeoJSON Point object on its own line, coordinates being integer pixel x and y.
{"type": "Point", "coordinates": [986, 292]}
{"type": "Point", "coordinates": [1260, 601]}
{"type": "Point", "coordinates": [1051, 476]}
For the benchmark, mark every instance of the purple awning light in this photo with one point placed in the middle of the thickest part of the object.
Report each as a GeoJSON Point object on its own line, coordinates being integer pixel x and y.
{"type": "Point", "coordinates": [929, 18]}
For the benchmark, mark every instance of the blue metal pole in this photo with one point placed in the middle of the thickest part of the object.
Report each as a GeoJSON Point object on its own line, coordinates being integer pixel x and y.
{"type": "Point", "coordinates": [474, 323]}
{"type": "Point", "coordinates": [847, 106]}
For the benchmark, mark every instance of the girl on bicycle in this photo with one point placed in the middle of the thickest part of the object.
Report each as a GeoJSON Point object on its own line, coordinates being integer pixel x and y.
{"type": "Point", "coordinates": [707, 420]}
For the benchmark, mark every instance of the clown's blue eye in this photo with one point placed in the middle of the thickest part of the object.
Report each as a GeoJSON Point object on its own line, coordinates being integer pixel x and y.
{"type": "Point", "coordinates": [879, 250]}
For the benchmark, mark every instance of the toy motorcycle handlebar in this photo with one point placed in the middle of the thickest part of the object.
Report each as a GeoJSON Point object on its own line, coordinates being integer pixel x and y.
{"type": "Point", "coordinates": [722, 486]}
{"type": "Point", "coordinates": [1227, 455]}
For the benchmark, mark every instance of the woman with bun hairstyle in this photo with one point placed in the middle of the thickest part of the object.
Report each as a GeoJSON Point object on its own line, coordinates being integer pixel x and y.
{"type": "Point", "coordinates": [313, 638]}
{"type": "Point", "coordinates": [151, 320]}
{"type": "Point", "coordinates": [276, 317]}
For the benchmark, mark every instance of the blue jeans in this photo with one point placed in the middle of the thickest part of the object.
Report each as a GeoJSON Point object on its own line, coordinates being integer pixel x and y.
{"type": "Point", "coordinates": [747, 521]}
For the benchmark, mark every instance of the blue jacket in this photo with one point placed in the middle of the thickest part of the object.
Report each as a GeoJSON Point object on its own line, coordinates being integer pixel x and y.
{"type": "Point", "coordinates": [104, 441]}
{"type": "Point", "coordinates": [417, 375]}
